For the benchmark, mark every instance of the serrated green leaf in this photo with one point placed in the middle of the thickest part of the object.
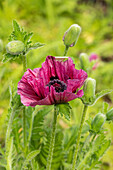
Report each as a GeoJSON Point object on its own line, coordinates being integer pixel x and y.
{"type": "Point", "coordinates": [35, 46]}
{"type": "Point", "coordinates": [39, 117]}
{"type": "Point", "coordinates": [16, 26]}
{"type": "Point", "coordinates": [64, 109]}
{"type": "Point", "coordinates": [28, 37]}
{"type": "Point", "coordinates": [7, 57]}
{"type": "Point", "coordinates": [29, 157]}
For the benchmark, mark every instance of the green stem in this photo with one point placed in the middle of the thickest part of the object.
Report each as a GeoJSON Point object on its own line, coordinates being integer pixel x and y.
{"type": "Point", "coordinates": [66, 50]}
{"type": "Point", "coordinates": [24, 126]}
{"type": "Point", "coordinates": [52, 141]}
{"type": "Point", "coordinates": [93, 137]}
{"type": "Point", "coordinates": [24, 109]}
{"type": "Point", "coordinates": [79, 136]}
{"type": "Point", "coordinates": [24, 63]}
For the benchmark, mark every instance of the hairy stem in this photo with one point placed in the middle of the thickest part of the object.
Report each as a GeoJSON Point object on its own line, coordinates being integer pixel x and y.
{"type": "Point", "coordinates": [24, 63]}
{"type": "Point", "coordinates": [24, 125]}
{"type": "Point", "coordinates": [52, 141]}
{"type": "Point", "coordinates": [79, 136]}
{"type": "Point", "coordinates": [24, 109]}
{"type": "Point", "coordinates": [66, 50]}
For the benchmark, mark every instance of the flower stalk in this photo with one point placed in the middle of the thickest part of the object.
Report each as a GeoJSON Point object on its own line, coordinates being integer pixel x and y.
{"type": "Point", "coordinates": [52, 141]}
{"type": "Point", "coordinates": [24, 63]}
{"type": "Point", "coordinates": [79, 136]}
{"type": "Point", "coordinates": [24, 109]}
{"type": "Point", "coordinates": [66, 50]}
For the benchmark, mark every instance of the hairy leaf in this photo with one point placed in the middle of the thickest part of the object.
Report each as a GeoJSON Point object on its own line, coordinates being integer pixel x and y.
{"type": "Point", "coordinates": [64, 109]}
{"type": "Point", "coordinates": [7, 57]}
{"type": "Point", "coordinates": [29, 157]}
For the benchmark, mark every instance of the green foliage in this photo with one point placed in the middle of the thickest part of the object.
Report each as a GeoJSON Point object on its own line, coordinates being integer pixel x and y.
{"type": "Point", "coordinates": [94, 152]}
{"type": "Point", "coordinates": [96, 97]}
{"type": "Point", "coordinates": [29, 157]}
{"type": "Point", "coordinates": [57, 153]}
{"type": "Point", "coordinates": [21, 35]}
{"type": "Point", "coordinates": [64, 109]}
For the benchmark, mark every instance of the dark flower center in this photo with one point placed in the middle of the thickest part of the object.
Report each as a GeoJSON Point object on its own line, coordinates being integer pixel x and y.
{"type": "Point", "coordinates": [59, 85]}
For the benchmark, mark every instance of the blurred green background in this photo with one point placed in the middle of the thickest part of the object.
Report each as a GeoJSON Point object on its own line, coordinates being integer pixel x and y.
{"type": "Point", "coordinates": [49, 19]}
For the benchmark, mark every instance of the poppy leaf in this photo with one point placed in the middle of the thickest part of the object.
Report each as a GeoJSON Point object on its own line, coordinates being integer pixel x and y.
{"type": "Point", "coordinates": [64, 109]}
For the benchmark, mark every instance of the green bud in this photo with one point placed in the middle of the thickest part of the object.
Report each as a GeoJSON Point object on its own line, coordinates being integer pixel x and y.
{"type": "Point", "coordinates": [15, 47]}
{"type": "Point", "coordinates": [71, 35]}
{"type": "Point", "coordinates": [84, 61]}
{"type": "Point", "coordinates": [1, 45]}
{"type": "Point", "coordinates": [98, 122]}
{"type": "Point", "coordinates": [89, 90]}
{"type": "Point", "coordinates": [109, 115]}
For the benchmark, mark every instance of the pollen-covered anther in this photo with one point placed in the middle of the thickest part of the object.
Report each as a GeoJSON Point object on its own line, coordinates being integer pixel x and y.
{"type": "Point", "coordinates": [59, 85]}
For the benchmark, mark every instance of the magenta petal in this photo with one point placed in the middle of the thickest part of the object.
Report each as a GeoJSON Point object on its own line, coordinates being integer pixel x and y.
{"type": "Point", "coordinates": [73, 85]}
{"type": "Point", "coordinates": [56, 82]}
{"type": "Point", "coordinates": [71, 96]}
{"type": "Point", "coordinates": [63, 97]}
{"type": "Point", "coordinates": [52, 68]}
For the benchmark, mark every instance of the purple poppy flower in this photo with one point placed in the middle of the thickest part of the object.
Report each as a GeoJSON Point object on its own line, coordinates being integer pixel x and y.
{"type": "Point", "coordinates": [55, 82]}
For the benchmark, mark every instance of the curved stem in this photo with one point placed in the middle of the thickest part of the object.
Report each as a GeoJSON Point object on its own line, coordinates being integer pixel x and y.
{"type": "Point", "coordinates": [66, 50]}
{"type": "Point", "coordinates": [79, 136]}
{"type": "Point", "coordinates": [52, 141]}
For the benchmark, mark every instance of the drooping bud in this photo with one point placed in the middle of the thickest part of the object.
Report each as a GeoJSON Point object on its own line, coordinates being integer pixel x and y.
{"type": "Point", "coordinates": [98, 122]}
{"type": "Point", "coordinates": [71, 35]}
{"type": "Point", "coordinates": [84, 61]}
{"type": "Point", "coordinates": [15, 47]}
{"type": "Point", "coordinates": [89, 90]}
{"type": "Point", "coordinates": [109, 115]}
{"type": "Point", "coordinates": [1, 45]}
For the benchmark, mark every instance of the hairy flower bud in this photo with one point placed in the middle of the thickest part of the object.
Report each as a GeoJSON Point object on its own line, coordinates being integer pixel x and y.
{"type": "Point", "coordinates": [1, 45]}
{"type": "Point", "coordinates": [15, 47]}
{"type": "Point", "coordinates": [109, 115]}
{"type": "Point", "coordinates": [89, 89]}
{"type": "Point", "coordinates": [98, 122]}
{"type": "Point", "coordinates": [71, 35]}
{"type": "Point", "coordinates": [84, 61]}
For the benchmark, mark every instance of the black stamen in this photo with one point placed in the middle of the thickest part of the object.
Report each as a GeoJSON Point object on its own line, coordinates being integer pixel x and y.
{"type": "Point", "coordinates": [59, 85]}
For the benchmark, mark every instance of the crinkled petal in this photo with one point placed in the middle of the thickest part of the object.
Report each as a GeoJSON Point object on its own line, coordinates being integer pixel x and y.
{"type": "Point", "coordinates": [52, 68]}
{"type": "Point", "coordinates": [72, 72]}
{"type": "Point", "coordinates": [62, 97]}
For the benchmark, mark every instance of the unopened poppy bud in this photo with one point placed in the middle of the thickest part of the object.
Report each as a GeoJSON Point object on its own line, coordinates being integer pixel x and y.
{"type": "Point", "coordinates": [71, 35]}
{"type": "Point", "coordinates": [84, 61]}
{"type": "Point", "coordinates": [109, 115]}
{"type": "Point", "coordinates": [89, 89]}
{"type": "Point", "coordinates": [1, 45]}
{"type": "Point", "coordinates": [98, 122]}
{"type": "Point", "coordinates": [15, 47]}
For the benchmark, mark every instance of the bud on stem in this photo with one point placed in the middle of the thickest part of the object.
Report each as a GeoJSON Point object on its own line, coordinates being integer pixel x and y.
{"type": "Point", "coordinates": [15, 47]}
{"type": "Point", "coordinates": [71, 35]}
{"type": "Point", "coordinates": [98, 122]}
{"type": "Point", "coordinates": [89, 90]}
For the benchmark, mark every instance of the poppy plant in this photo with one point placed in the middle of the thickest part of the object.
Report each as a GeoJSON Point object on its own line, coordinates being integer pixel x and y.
{"type": "Point", "coordinates": [55, 82]}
